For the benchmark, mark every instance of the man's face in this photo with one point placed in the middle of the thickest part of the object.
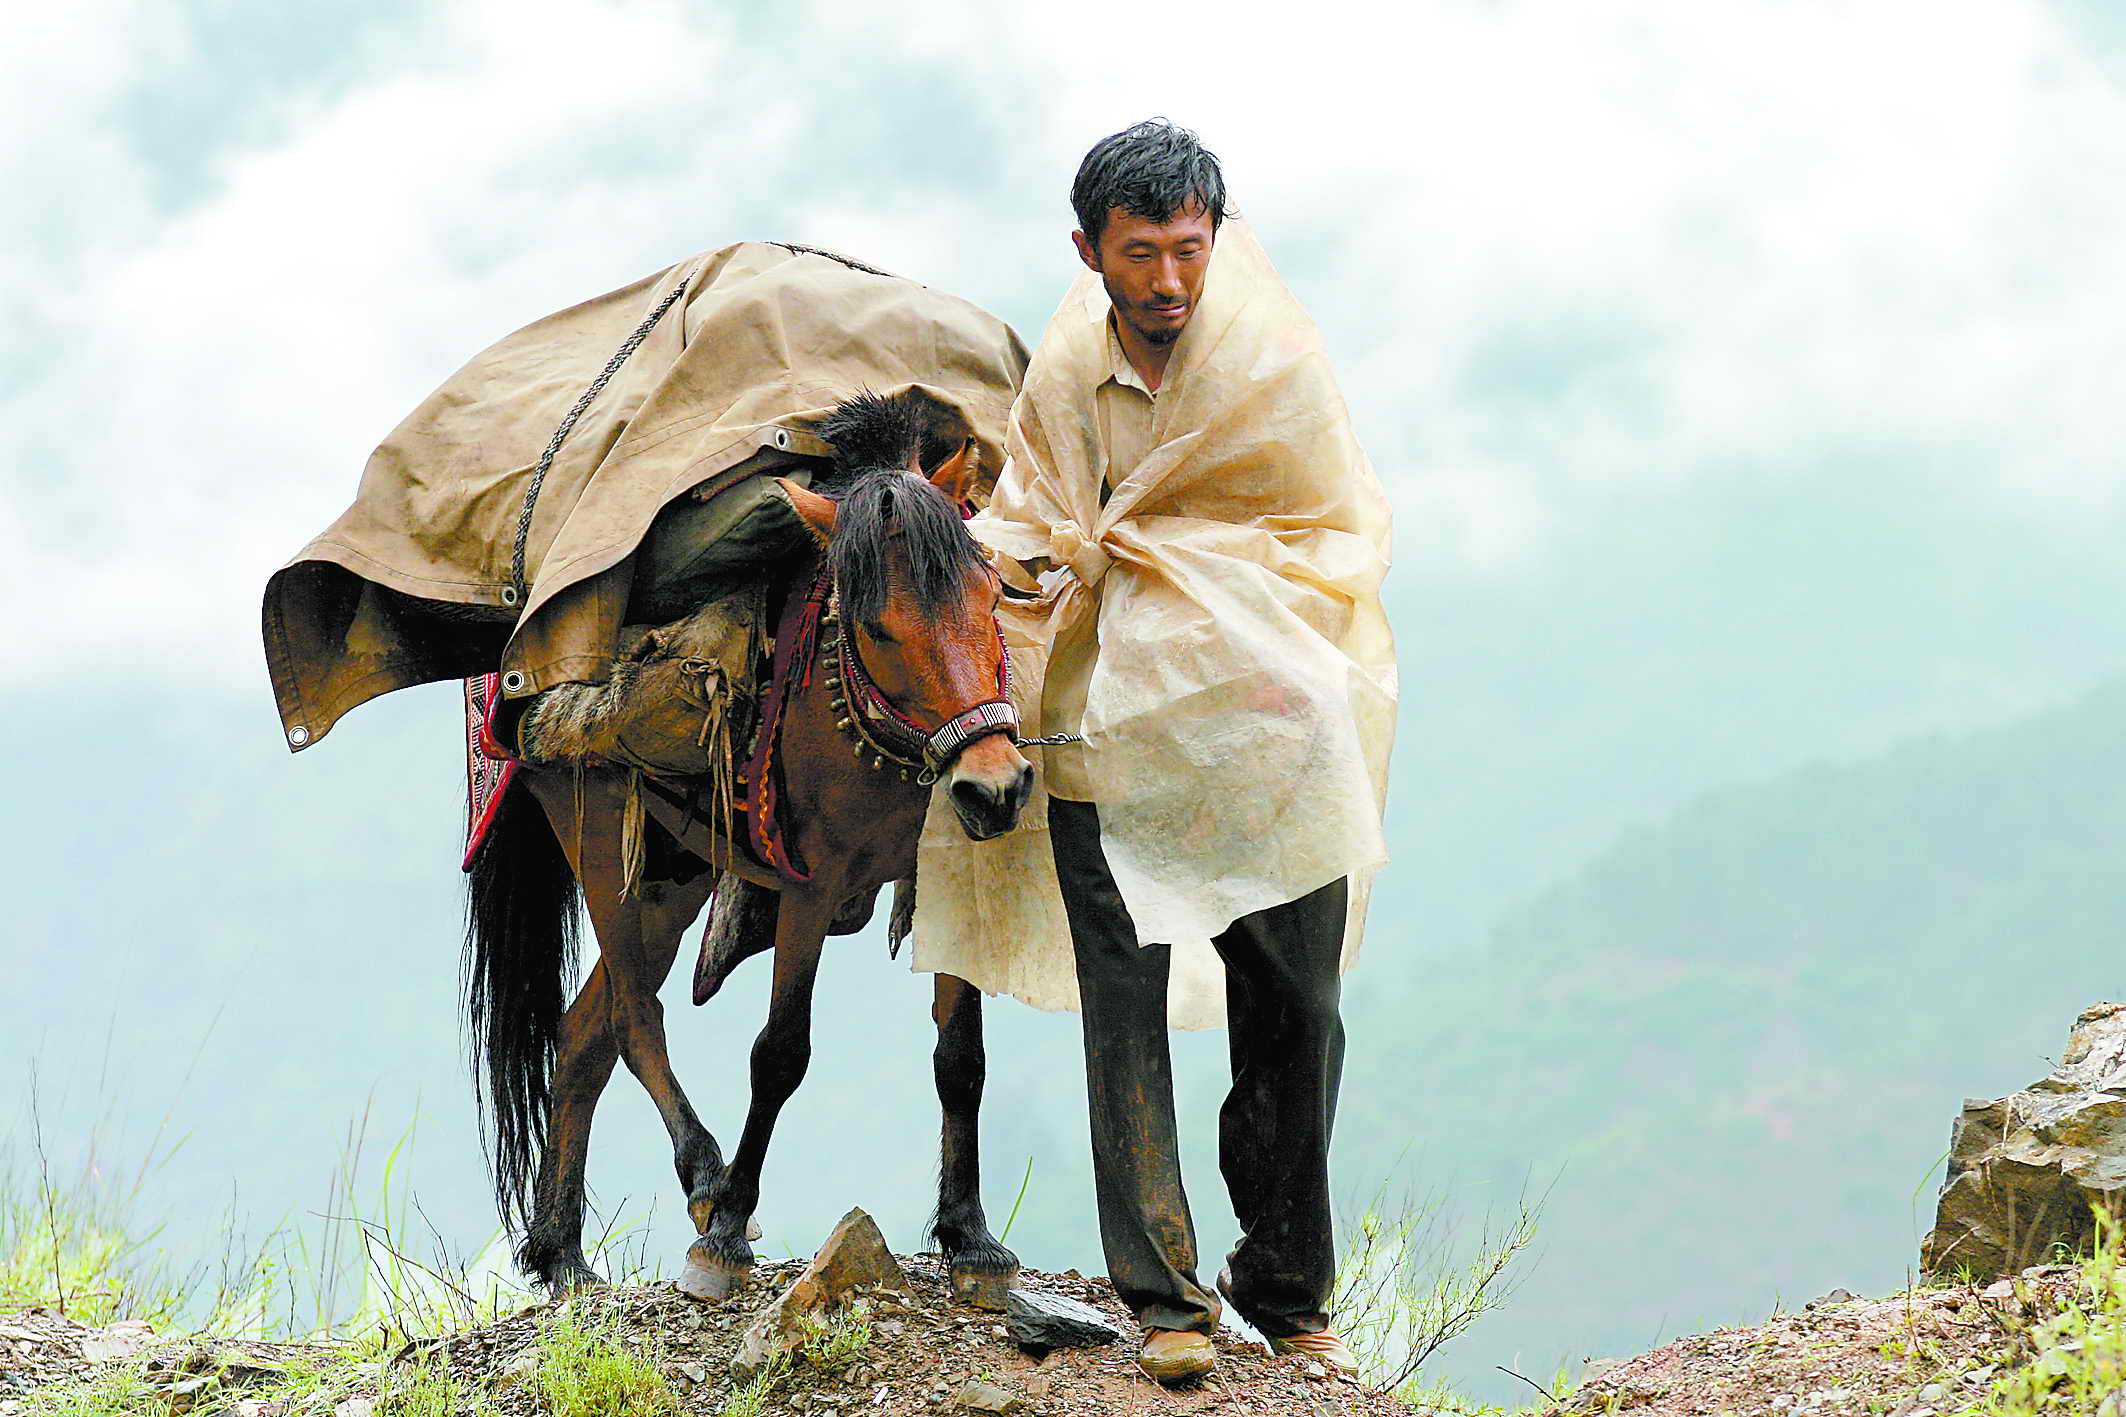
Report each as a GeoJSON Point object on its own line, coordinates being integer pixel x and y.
{"type": "Point", "coordinates": [1153, 270]}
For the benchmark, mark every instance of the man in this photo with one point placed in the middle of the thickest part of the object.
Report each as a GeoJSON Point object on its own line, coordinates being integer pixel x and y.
{"type": "Point", "coordinates": [1202, 542]}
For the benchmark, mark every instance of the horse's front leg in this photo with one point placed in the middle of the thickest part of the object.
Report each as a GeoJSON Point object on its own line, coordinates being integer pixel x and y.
{"type": "Point", "coordinates": [718, 1261]}
{"type": "Point", "coordinates": [982, 1269]}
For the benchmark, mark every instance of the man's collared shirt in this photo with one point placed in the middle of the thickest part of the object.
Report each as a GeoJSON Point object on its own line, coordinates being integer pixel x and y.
{"type": "Point", "coordinates": [1123, 407]}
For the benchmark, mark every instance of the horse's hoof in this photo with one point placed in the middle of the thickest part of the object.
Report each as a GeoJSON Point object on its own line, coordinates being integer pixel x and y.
{"type": "Point", "coordinates": [561, 1273]}
{"type": "Point", "coordinates": [982, 1290]}
{"type": "Point", "coordinates": [561, 1286]}
{"type": "Point", "coordinates": [708, 1284]}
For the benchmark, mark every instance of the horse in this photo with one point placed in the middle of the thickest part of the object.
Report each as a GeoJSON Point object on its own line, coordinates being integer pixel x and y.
{"type": "Point", "coordinates": [904, 664]}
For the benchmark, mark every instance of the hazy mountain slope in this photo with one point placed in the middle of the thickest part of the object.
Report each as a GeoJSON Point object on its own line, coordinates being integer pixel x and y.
{"type": "Point", "coordinates": [1743, 1034]}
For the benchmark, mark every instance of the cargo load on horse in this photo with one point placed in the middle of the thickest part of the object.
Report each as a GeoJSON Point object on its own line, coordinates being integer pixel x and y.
{"type": "Point", "coordinates": [484, 540]}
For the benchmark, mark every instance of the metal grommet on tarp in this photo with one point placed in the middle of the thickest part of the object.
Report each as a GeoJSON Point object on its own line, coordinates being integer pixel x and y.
{"type": "Point", "coordinates": [782, 438]}
{"type": "Point", "coordinates": [298, 735]}
{"type": "Point", "coordinates": [509, 595]}
{"type": "Point", "coordinates": [513, 682]}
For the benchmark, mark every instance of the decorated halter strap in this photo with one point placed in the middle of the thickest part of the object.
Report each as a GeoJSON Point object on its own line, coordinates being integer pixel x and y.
{"type": "Point", "coordinates": [890, 736]}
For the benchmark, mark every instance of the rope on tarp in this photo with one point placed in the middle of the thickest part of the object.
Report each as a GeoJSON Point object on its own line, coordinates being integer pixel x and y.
{"type": "Point", "coordinates": [518, 587]}
{"type": "Point", "coordinates": [851, 262]}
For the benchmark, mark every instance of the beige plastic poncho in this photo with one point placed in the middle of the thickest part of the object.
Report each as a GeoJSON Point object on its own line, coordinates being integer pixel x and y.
{"type": "Point", "coordinates": [1239, 715]}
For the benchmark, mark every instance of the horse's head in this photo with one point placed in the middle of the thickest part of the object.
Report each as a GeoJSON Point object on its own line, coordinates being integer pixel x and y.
{"type": "Point", "coordinates": [923, 665]}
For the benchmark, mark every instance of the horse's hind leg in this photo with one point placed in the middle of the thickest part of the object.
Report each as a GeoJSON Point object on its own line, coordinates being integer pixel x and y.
{"type": "Point", "coordinates": [648, 928]}
{"type": "Point", "coordinates": [981, 1268]}
{"type": "Point", "coordinates": [718, 1261]}
{"type": "Point", "coordinates": [552, 1250]}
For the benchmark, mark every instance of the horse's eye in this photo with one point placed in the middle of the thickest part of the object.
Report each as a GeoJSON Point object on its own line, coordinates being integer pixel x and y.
{"type": "Point", "coordinates": [878, 632]}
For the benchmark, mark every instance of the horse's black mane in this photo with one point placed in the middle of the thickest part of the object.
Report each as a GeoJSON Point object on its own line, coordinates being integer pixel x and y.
{"type": "Point", "coordinates": [875, 439]}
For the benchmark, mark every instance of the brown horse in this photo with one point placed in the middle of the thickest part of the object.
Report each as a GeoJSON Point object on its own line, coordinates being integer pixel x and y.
{"type": "Point", "coordinates": [902, 685]}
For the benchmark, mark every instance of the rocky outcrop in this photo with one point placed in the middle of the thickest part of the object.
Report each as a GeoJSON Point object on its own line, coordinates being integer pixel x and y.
{"type": "Point", "coordinates": [2025, 1170]}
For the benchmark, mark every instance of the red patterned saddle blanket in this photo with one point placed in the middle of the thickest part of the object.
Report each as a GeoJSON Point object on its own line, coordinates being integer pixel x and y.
{"type": "Point", "coordinates": [489, 767]}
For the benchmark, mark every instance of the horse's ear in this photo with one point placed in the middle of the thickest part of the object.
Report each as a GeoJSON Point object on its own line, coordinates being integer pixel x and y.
{"type": "Point", "coordinates": [955, 476]}
{"type": "Point", "coordinates": [817, 512]}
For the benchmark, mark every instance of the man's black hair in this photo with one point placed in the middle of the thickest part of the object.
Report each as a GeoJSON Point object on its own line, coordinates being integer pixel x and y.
{"type": "Point", "coordinates": [1150, 169]}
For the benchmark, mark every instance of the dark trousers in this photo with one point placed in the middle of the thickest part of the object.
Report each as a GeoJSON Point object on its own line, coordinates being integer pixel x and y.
{"type": "Point", "coordinates": [1287, 1044]}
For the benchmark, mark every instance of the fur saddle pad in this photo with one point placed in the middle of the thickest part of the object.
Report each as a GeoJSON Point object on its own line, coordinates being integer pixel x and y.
{"type": "Point", "coordinates": [680, 703]}
{"type": "Point", "coordinates": [679, 700]}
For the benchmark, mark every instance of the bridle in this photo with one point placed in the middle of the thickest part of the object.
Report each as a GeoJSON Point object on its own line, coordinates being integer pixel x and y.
{"type": "Point", "coordinates": [862, 711]}
{"type": "Point", "coordinates": [889, 736]}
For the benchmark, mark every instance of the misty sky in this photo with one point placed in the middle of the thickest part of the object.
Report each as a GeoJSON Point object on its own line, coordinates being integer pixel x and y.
{"type": "Point", "coordinates": [1746, 377]}
{"type": "Point", "coordinates": [1570, 260]}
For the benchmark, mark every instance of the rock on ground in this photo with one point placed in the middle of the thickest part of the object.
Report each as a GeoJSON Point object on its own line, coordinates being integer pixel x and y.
{"type": "Point", "coordinates": [853, 1261]}
{"type": "Point", "coordinates": [2024, 1169]}
{"type": "Point", "coordinates": [1040, 1322]}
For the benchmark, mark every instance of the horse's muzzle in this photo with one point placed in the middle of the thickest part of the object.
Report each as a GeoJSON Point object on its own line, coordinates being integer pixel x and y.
{"type": "Point", "coordinates": [988, 803]}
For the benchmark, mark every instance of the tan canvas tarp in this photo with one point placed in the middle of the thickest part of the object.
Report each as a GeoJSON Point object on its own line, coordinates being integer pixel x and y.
{"type": "Point", "coordinates": [763, 344]}
{"type": "Point", "coordinates": [1238, 718]}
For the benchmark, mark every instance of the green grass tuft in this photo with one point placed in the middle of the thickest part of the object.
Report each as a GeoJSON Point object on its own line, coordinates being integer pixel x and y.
{"type": "Point", "coordinates": [367, 1268]}
{"type": "Point", "coordinates": [119, 1390]}
{"type": "Point", "coordinates": [2077, 1357]}
{"type": "Point", "coordinates": [426, 1390]}
{"type": "Point", "coordinates": [308, 1381]}
{"type": "Point", "coordinates": [586, 1370]}
{"type": "Point", "coordinates": [58, 1253]}
{"type": "Point", "coordinates": [830, 1344]}
{"type": "Point", "coordinates": [834, 1342]}
{"type": "Point", "coordinates": [750, 1398]}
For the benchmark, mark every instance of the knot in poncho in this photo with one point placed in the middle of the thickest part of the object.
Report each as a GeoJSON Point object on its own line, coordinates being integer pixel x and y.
{"type": "Point", "coordinates": [1067, 546]}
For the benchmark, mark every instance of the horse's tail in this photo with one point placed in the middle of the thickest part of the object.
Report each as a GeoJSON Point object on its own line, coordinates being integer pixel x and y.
{"type": "Point", "coordinates": [521, 925]}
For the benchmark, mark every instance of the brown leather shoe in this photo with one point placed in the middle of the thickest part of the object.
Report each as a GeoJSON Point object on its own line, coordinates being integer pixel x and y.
{"type": "Point", "coordinates": [1171, 1358]}
{"type": "Point", "coordinates": [1324, 1347]}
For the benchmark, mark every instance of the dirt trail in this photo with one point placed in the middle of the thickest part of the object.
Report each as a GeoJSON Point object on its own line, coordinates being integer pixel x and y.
{"type": "Point", "coordinates": [923, 1355]}
{"type": "Point", "coordinates": [1928, 1353]}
